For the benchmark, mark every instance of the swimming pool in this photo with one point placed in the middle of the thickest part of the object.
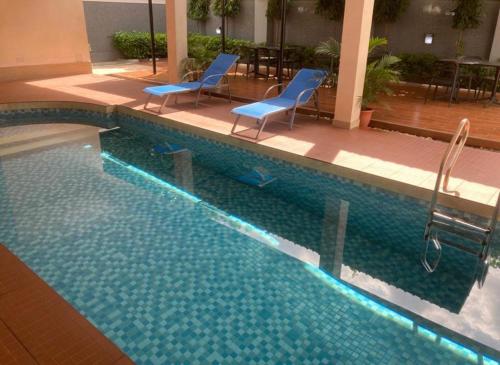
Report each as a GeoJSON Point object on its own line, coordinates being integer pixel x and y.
{"type": "Point", "coordinates": [177, 261]}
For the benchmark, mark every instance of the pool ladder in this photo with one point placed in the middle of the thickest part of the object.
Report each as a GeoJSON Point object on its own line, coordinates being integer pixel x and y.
{"type": "Point", "coordinates": [440, 221]}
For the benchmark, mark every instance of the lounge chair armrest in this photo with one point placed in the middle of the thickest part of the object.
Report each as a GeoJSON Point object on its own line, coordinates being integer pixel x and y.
{"type": "Point", "coordinates": [187, 74]}
{"type": "Point", "coordinates": [297, 100]}
{"type": "Point", "coordinates": [272, 87]}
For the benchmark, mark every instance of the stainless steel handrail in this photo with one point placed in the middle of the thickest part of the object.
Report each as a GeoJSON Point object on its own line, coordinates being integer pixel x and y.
{"type": "Point", "coordinates": [450, 158]}
{"type": "Point", "coordinates": [447, 164]}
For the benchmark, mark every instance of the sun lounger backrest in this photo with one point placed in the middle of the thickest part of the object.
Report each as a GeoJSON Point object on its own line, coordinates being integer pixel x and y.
{"type": "Point", "coordinates": [306, 78]}
{"type": "Point", "coordinates": [221, 66]}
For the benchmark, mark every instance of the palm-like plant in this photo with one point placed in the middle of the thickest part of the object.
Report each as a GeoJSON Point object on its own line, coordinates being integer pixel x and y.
{"type": "Point", "coordinates": [330, 48]}
{"type": "Point", "coordinates": [379, 74]}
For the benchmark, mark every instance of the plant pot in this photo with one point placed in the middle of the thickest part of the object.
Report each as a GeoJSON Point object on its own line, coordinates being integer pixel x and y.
{"type": "Point", "coordinates": [365, 117]}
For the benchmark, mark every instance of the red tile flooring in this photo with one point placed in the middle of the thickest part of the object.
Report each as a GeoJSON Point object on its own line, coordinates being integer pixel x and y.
{"type": "Point", "coordinates": [37, 326]}
{"type": "Point", "coordinates": [405, 111]}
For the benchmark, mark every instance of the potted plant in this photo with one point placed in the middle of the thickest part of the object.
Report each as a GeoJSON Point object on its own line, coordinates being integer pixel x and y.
{"type": "Point", "coordinates": [379, 74]}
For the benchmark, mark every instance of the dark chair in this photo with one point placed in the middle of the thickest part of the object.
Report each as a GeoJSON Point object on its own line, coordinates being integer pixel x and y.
{"type": "Point", "coordinates": [291, 62]}
{"type": "Point", "coordinates": [469, 75]}
{"type": "Point", "coordinates": [443, 76]}
{"type": "Point", "coordinates": [269, 58]}
{"type": "Point", "coordinates": [246, 57]}
{"type": "Point", "coordinates": [485, 82]}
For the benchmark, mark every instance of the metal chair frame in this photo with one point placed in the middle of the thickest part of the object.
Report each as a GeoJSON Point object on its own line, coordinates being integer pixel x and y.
{"type": "Point", "coordinates": [219, 85]}
{"type": "Point", "coordinates": [262, 123]}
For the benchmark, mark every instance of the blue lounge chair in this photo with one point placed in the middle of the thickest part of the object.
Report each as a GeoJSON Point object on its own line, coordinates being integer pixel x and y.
{"type": "Point", "coordinates": [211, 79]}
{"type": "Point", "coordinates": [297, 93]}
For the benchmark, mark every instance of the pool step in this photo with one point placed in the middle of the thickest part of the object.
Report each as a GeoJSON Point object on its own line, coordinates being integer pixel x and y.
{"type": "Point", "coordinates": [31, 141]}
{"type": "Point", "coordinates": [24, 134]}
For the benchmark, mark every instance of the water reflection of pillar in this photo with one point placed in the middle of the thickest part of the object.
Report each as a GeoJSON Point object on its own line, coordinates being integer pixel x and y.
{"type": "Point", "coordinates": [183, 169]}
{"type": "Point", "coordinates": [333, 235]}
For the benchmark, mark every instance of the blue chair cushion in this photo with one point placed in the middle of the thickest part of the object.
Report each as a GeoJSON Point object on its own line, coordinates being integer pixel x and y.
{"type": "Point", "coordinates": [264, 108]}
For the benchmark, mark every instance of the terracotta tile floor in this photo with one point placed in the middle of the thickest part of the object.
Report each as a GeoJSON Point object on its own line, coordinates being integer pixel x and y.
{"type": "Point", "coordinates": [37, 326]}
{"type": "Point", "coordinates": [404, 111]}
{"type": "Point", "coordinates": [381, 157]}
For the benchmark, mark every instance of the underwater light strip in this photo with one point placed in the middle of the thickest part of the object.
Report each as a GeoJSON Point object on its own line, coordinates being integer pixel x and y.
{"type": "Point", "coordinates": [241, 226]}
{"type": "Point", "coordinates": [332, 282]}
{"type": "Point", "coordinates": [150, 177]}
{"type": "Point", "coordinates": [400, 319]}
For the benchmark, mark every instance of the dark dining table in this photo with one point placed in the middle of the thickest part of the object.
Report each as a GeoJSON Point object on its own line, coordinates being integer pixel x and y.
{"type": "Point", "coordinates": [257, 49]}
{"type": "Point", "coordinates": [458, 62]}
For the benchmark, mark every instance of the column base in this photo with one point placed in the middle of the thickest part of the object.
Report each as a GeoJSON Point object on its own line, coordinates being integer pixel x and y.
{"type": "Point", "coordinates": [345, 125]}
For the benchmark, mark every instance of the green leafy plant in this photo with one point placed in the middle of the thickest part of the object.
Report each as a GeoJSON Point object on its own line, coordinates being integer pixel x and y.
{"type": "Point", "coordinates": [379, 74]}
{"type": "Point", "coordinates": [331, 49]}
{"type": "Point", "coordinates": [389, 11]}
{"type": "Point", "coordinates": [467, 15]}
{"type": "Point", "coordinates": [331, 9]}
{"type": "Point", "coordinates": [198, 9]}
{"type": "Point", "coordinates": [202, 48]}
{"type": "Point", "coordinates": [416, 67]}
{"type": "Point", "coordinates": [233, 8]}
{"type": "Point", "coordinates": [138, 44]}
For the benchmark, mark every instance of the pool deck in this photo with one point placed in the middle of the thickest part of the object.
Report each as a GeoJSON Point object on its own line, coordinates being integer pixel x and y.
{"type": "Point", "coordinates": [37, 326]}
{"type": "Point", "coordinates": [398, 162]}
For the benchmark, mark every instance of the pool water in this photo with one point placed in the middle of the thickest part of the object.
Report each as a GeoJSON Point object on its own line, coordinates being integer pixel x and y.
{"type": "Point", "coordinates": [178, 262]}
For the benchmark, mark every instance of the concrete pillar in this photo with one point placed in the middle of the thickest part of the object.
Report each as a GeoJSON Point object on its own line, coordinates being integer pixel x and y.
{"type": "Point", "coordinates": [495, 47]}
{"type": "Point", "coordinates": [353, 58]}
{"type": "Point", "coordinates": [176, 37]}
{"type": "Point", "coordinates": [260, 21]}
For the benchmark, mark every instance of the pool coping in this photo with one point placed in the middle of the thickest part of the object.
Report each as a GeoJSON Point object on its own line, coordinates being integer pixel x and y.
{"type": "Point", "coordinates": [398, 187]}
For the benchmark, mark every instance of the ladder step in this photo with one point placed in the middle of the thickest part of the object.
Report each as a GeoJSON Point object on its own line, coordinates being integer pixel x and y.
{"type": "Point", "coordinates": [460, 247]}
{"type": "Point", "coordinates": [457, 223]}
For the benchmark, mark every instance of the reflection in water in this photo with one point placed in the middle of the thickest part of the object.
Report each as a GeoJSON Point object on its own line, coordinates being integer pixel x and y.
{"type": "Point", "coordinates": [183, 169]}
{"type": "Point", "coordinates": [333, 235]}
{"type": "Point", "coordinates": [154, 229]}
{"type": "Point", "coordinates": [359, 237]}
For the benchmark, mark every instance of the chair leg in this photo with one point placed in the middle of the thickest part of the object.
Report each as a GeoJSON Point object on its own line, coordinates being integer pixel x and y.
{"type": "Point", "coordinates": [197, 98]}
{"type": "Point", "coordinates": [435, 92]}
{"type": "Point", "coordinates": [292, 118]}
{"type": "Point", "coordinates": [427, 93]}
{"type": "Point", "coordinates": [235, 123]}
{"type": "Point", "coordinates": [262, 125]}
{"type": "Point", "coordinates": [229, 93]}
{"type": "Point", "coordinates": [147, 101]}
{"type": "Point", "coordinates": [316, 103]}
{"type": "Point", "coordinates": [164, 103]}
{"type": "Point", "coordinates": [236, 69]}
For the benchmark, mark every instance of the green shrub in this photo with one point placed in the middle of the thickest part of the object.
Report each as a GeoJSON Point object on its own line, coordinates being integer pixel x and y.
{"type": "Point", "coordinates": [138, 44]}
{"type": "Point", "coordinates": [416, 67]}
{"type": "Point", "coordinates": [212, 43]}
{"type": "Point", "coordinates": [202, 48]}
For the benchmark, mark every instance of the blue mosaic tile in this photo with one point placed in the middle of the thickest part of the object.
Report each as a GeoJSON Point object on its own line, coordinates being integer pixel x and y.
{"type": "Point", "coordinates": [191, 276]}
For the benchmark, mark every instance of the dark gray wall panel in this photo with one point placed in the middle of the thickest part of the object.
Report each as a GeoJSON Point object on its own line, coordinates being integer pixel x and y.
{"type": "Point", "coordinates": [103, 19]}
{"type": "Point", "coordinates": [303, 26]}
